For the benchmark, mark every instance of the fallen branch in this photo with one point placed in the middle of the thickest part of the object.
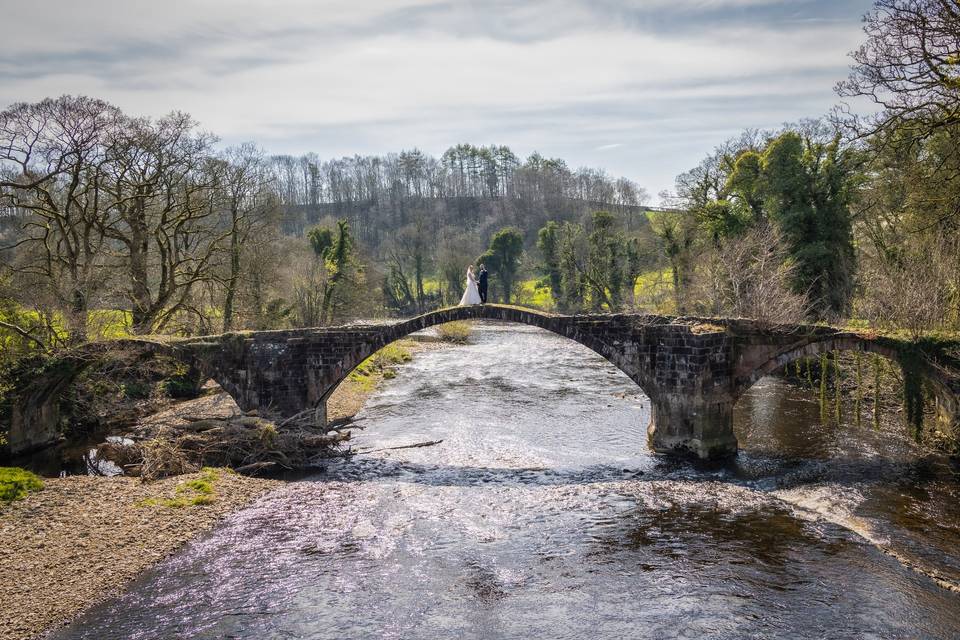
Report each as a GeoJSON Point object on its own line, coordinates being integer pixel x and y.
{"type": "Point", "coordinates": [295, 417]}
{"type": "Point", "coordinates": [428, 443]}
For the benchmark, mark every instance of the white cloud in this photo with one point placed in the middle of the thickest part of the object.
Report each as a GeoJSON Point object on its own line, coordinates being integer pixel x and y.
{"type": "Point", "coordinates": [340, 77]}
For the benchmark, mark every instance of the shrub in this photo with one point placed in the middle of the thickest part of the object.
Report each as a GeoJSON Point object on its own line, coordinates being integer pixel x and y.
{"type": "Point", "coordinates": [16, 483]}
{"type": "Point", "coordinates": [457, 332]}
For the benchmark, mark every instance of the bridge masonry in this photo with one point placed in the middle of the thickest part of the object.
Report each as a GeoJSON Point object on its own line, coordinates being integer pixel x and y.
{"type": "Point", "coordinates": [692, 369]}
{"type": "Point", "coordinates": [684, 368]}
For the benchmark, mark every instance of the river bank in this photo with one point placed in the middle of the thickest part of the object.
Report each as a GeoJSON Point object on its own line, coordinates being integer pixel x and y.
{"type": "Point", "coordinates": [82, 539]}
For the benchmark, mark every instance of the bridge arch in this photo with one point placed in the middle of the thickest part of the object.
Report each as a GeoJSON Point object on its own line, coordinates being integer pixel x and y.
{"type": "Point", "coordinates": [579, 332]}
{"type": "Point", "coordinates": [944, 390]}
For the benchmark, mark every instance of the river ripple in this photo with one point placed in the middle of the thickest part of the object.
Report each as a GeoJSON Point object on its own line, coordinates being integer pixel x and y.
{"type": "Point", "coordinates": [543, 514]}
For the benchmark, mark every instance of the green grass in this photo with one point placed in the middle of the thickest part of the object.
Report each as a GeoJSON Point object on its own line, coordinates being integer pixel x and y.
{"type": "Point", "coordinates": [381, 364]}
{"type": "Point", "coordinates": [16, 483]}
{"type": "Point", "coordinates": [457, 332]}
{"type": "Point", "coordinates": [535, 293]}
{"type": "Point", "coordinates": [431, 285]}
{"type": "Point", "coordinates": [105, 324]}
{"type": "Point", "coordinates": [189, 493]}
{"type": "Point", "coordinates": [653, 291]}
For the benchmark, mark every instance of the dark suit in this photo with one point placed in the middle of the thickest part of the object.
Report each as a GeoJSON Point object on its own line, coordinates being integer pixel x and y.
{"type": "Point", "coordinates": [483, 286]}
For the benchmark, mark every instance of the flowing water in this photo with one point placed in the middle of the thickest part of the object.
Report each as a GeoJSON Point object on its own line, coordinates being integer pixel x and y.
{"type": "Point", "coordinates": [542, 514]}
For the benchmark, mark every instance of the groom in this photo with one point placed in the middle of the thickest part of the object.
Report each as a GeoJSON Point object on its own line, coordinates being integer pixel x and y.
{"type": "Point", "coordinates": [483, 284]}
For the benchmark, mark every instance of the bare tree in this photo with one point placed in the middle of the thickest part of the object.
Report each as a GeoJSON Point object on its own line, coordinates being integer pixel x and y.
{"type": "Point", "coordinates": [162, 215]}
{"type": "Point", "coordinates": [245, 186]}
{"type": "Point", "coordinates": [908, 66]}
{"type": "Point", "coordinates": [920, 287]}
{"type": "Point", "coordinates": [748, 276]}
{"type": "Point", "coordinates": [52, 159]}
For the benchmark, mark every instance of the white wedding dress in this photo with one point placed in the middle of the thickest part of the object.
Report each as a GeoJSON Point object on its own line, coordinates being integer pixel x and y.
{"type": "Point", "coordinates": [472, 294]}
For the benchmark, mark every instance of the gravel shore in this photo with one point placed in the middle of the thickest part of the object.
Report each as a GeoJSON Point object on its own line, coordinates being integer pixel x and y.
{"type": "Point", "coordinates": [82, 538]}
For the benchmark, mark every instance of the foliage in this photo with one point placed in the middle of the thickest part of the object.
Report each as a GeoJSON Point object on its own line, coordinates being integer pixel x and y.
{"type": "Point", "coordinates": [16, 483]}
{"type": "Point", "coordinates": [748, 276]}
{"type": "Point", "coordinates": [321, 241]}
{"type": "Point", "coordinates": [383, 361]}
{"type": "Point", "coordinates": [677, 232]}
{"type": "Point", "coordinates": [502, 259]}
{"type": "Point", "coordinates": [595, 270]}
{"type": "Point", "coordinates": [329, 282]}
{"type": "Point", "coordinates": [457, 332]}
{"type": "Point", "coordinates": [805, 187]}
{"type": "Point", "coordinates": [548, 244]}
{"type": "Point", "coordinates": [909, 68]}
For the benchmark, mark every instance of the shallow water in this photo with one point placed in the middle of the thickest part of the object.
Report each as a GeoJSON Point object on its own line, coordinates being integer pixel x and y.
{"type": "Point", "coordinates": [543, 514]}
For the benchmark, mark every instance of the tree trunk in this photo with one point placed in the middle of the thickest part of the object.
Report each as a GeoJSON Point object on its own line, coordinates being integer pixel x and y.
{"type": "Point", "coordinates": [234, 276]}
{"type": "Point", "coordinates": [142, 312]}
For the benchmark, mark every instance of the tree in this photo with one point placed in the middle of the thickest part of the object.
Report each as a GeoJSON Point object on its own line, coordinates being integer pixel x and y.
{"type": "Point", "coordinates": [321, 241]}
{"type": "Point", "coordinates": [909, 67]}
{"type": "Point", "coordinates": [341, 265]}
{"type": "Point", "coordinates": [335, 278]}
{"type": "Point", "coordinates": [806, 186]}
{"type": "Point", "coordinates": [52, 159]}
{"type": "Point", "coordinates": [548, 242]}
{"type": "Point", "coordinates": [748, 276]}
{"type": "Point", "coordinates": [605, 262]}
{"type": "Point", "coordinates": [162, 215]}
{"type": "Point", "coordinates": [409, 257]}
{"type": "Point", "coordinates": [677, 232]}
{"type": "Point", "coordinates": [245, 188]}
{"type": "Point", "coordinates": [502, 258]}
{"type": "Point", "coordinates": [598, 269]}
{"type": "Point", "coordinates": [570, 248]}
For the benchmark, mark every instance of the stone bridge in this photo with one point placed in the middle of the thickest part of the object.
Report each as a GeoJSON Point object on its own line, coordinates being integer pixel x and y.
{"type": "Point", "coordinates": [693, 369]}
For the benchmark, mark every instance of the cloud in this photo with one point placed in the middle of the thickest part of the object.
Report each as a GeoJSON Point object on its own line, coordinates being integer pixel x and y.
{"type": "Point", "coordinates": [643, 88]}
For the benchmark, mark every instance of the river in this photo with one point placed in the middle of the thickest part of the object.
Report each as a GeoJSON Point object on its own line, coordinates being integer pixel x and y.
{"type": "Point", "coordinates": [542, 514]}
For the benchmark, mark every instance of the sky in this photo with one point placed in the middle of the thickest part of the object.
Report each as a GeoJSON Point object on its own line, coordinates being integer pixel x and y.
{"type": "Point", "coordinates": [641, 88]}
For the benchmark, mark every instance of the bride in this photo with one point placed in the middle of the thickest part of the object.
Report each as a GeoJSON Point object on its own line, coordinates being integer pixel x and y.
{"type": "Point", "coordinates": [472, 294]}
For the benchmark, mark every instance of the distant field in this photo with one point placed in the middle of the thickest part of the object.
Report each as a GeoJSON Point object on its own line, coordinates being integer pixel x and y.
{"type": "Point", "coordinates": [653, 291]}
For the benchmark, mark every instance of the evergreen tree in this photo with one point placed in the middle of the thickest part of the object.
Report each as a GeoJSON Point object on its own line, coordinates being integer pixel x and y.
{"type": "Point", "coordinates": [805, 187]}
{"type": "Point", "coordinates": [548, 244]}
{"type": "Point", "coordinates": [502, 259]}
